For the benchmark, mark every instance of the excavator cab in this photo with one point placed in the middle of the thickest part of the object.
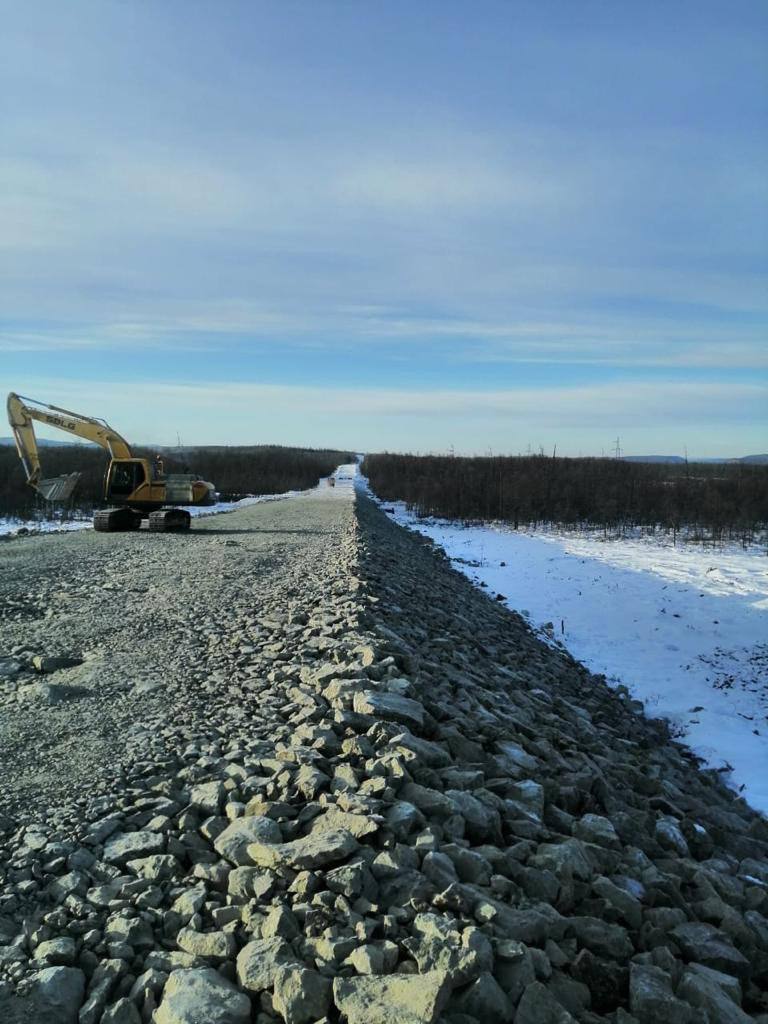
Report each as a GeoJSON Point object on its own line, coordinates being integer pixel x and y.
{"type": "Point", "coordinates": [124, 477]}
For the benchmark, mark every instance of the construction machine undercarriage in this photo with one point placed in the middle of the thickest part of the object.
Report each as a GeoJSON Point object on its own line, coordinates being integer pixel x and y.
{"type": "Point", "coordinates": [163, 520]}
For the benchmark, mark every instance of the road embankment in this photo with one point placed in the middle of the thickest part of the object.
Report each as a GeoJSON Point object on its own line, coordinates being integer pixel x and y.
{"type": "Point", "coordinates": [307, 771]}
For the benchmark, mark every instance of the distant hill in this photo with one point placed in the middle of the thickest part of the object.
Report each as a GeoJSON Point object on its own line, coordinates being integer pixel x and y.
{"type": "Point", "coordinates": [653, 458]}
{"type": "Point", "coordinates": [754, 460]}
{"type": "Point", "coordinates": [43, 443]}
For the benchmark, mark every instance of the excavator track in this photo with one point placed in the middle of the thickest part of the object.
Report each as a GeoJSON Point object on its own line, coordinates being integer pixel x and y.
{"type": "Point", "coordinates": [114, 520]}
{"type": "Point", "coordinates": [167, 520]}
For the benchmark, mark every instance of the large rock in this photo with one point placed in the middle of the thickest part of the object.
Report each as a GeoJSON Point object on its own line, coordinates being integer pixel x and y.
{"type": "Point", "coordinates": [431, 754]}
{"type": "Point", "coordinates": [705, 991]}
{"type": "Point", "coordinates": [630, 908]}
{"type": "Point", "coordinates": [232, 843]}
{"type": "Point", "coordinates": [259, 961]}
{"type": "Point", "coordinates": [652, 1000]}
{"type": "Point", "coordinates": [313, 851]}
{"type": "Point", "coordinates": [433, 802]}
{"type": "Point", "coordinates": [392, 999]}
{"type": "Point", "coordinates": [526, 796]}
{"type": "Point", "coordinates": [437, 945]}
{"type": "Point", "coordinates": [208, 797]}
{"type": "Point", "coordinates": [359, 825]}
{"type": "Point", "coordinates": [390, 707]}
{"type": "Point", "coordinates": [301, 995]}
{"type": "Point", "coordinates": [54, 663]}
{"type": "Point", "coordinates": [57, 995]}
{"type": "Point", "coordinates": [593, 828]}
{"type": "Point", "coordinates": [601, 937]}
{"type": "Point", "coordinates": [218, 945]}
{"type": "Point", "coordinates": [9, 668]}
{"type": "Point", "coordinates": [132, 845]}
{"type": "Point", "coordinates": [706, 945]}
{"type": "Point", "coordinates": [565, 860]}
{"type": "Point", "coordinates": [482, 822]}
{"type": "Point", "coordinates": [121, 1012]}
{"type": "Point", "coordinates": [531, 925]}
{"type": "Point", "coordinates": [244, 883]}
{"type": "Point", "coordinates": [202, 996]}
{"type": "Point", "coordinates": [403, 818]}
{"type": "Point", "coordinates": [514, 759]}
{"type": "Point", "coordinates": [539, 1006]}
{"type": "Point", "coordinates": [485, 1000]}
{"type": "Point", "coordinates": [102, 984]}
{"type": "Point", "coordinates": [670, 836]}
{"type": "Point", "coordinates": [157, 868]}
{"type": "Point", "coordinates": [57, 951]}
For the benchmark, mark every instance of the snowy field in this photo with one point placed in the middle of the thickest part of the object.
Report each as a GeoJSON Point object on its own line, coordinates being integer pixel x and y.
{"type": "Point", "coordinates": [684, 628]}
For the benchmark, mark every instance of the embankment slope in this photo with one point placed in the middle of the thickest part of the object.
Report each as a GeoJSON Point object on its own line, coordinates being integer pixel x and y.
{"type": "Point", "coordinates": [365, 793]}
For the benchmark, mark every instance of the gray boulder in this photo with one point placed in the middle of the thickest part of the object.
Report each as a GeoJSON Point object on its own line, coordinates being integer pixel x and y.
{"type": "Point", "coordinates": [57, 995]}
{"type": "Point", "coordinates": [125, 846]}
{"type": "Point", "coordinates": [121, 1012]}
{"type": "Point", "coordinates": [539, 1006]}
{"type": "Point", "coordinates": [484, 999]}
{"type": "Point", "coordinates": [232, 843]}
{"type": "Point", "coordinates": [259, 961]}
{"type": "Point", "coordinates": [301, 995]}
{"type": "Point", "coordinates": [313, 851]}
{"type": "Point", "coordinates": [706, 945]}
{"type": "Point", "coordinates": [392, 999]}
{"type": "Point", "coordinates": [705, 991]}
{"type": "Point", "coordinates": [202, 996]}
{"type": "Point", "coordinates": [652, 1000]}
{"type": "Point", "coordinates": [390, 707]}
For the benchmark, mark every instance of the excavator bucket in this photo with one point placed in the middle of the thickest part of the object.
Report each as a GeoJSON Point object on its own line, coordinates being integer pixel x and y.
{"type": "Point", "coordinates": [58, 488]}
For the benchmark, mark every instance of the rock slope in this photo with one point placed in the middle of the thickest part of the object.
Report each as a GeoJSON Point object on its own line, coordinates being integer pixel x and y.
{"type": "Point", "coordinates": [382, 801]}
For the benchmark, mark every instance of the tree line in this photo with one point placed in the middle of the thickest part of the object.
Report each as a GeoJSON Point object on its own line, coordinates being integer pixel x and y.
{"type": "Point", "coordinates": [235, 472]}
{"type": "Point", "coordinates": [720, 500]}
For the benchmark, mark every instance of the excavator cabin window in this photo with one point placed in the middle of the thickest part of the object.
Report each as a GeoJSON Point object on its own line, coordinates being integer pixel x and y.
{"type": "Point", "coordinates": [126, 477]}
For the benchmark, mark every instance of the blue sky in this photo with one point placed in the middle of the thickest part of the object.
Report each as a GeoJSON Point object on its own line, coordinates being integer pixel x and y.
{"type": "Point", "coordinates": [402, 226]}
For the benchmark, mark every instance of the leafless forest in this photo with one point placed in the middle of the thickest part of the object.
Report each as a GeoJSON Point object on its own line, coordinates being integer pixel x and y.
{"type": "Point", "coordinates": [234, 471]}
{"type": "Point", "coordinates": [718, 500]}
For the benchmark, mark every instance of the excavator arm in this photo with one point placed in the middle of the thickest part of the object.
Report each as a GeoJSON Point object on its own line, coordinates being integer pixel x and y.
{"type": "Point", "coordinates": [22, 412]}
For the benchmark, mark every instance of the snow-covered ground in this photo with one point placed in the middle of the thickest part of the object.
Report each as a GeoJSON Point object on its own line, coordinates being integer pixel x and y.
{"type": "Point", "coordinates": [684, 628]}
{"type": "Point", "coordinates": [10, 525]}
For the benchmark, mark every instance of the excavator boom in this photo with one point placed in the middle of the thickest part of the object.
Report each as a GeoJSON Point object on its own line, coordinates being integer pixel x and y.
{"type": "Point", "coordinates": [22, 413]}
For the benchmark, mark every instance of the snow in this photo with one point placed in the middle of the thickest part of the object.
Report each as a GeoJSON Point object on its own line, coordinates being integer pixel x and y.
{"type": "Point", "coordinates": [9, 526]}
{"type": "Point", "coordinates": [684, 628]}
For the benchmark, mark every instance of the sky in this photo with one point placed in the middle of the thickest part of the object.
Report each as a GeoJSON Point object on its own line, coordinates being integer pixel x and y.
{"type": "Point", "coordinates": [501, 226]}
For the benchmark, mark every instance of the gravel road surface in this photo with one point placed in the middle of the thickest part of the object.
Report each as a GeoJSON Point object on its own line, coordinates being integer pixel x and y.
{"type": "Point", "coordinates": [167, 627]}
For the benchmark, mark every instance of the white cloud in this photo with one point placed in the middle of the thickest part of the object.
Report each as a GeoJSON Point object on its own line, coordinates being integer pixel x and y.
{"type": "Point", "coordinates": [413, 184]}
{"type": "Point", "coordinates": [232, 412]}
{"type": "Point", "coordinates": [599, 341]}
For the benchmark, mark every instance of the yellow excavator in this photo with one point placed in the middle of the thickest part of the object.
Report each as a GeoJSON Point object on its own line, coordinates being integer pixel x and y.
{"type": "Point", "coordinates": [134, 485]}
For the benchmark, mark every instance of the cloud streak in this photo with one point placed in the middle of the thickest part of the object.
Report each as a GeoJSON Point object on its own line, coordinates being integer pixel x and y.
{"type": "Point", "coordinates": [234, 412]}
